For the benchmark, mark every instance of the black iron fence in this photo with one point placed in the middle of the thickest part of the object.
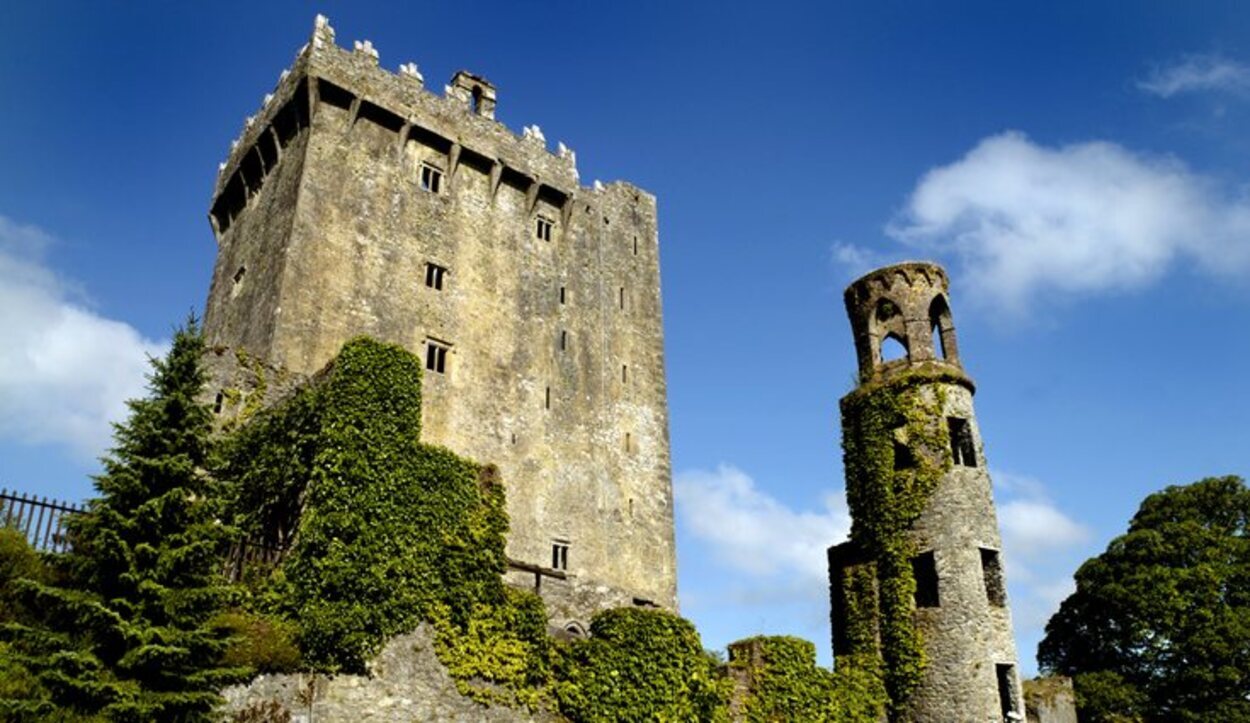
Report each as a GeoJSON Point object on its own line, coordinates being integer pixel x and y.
{"type": "Point", "coordinates": [40, 519]}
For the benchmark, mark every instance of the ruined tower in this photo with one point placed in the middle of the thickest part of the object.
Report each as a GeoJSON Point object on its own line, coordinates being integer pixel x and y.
{"type": "Point", "coordinates": [918, 589]}
{"type": "Point", "coordinates": [357, 202]}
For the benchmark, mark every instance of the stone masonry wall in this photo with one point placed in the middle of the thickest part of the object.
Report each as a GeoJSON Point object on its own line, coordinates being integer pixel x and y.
{"type": "Point", "coordinates": [406, 683]}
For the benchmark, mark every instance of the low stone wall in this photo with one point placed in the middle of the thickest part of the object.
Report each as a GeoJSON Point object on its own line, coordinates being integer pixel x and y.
{"type": "Point", "coordinates": [406, 683]}
{"type": "Point", "coordinates": [1050, 700]}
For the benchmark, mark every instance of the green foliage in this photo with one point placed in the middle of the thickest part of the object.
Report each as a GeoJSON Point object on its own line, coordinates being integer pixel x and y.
{"type": "Point", "coordinates": [505, 647]}
{"type": "Point", "coordinates": [787, 685]}
{"type": "Point", "coordinates": [390, 532]}
{"type": "Point", "coordinates": [18, 560]}
{"type": "Point", "coordinates": [1105, 697]}
{"type": "Point", "coordinates": [259, 643]}
{"type": "Point", "coordinates": [640, 665]}
{"type": "Point", "coordinates": [1159, 624]}
{"type": "Point", "coordinates": [885, 502]}
{"type": "Point", "coordinates": [123, 631]}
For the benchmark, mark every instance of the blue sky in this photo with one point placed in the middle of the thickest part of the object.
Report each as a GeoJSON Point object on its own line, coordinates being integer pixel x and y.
{"type": "Point", "coordinates": [1079, 167]}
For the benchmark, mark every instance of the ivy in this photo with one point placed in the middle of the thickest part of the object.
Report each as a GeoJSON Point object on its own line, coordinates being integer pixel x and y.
{"type": "Point", "coordinates": [786, 684]}
{"type": "Point", "coordinates": [638, 665]}
{"type": "Point", "coordinates": [885, 502]}
{"type": "Point", "coordinates": [386, 532]}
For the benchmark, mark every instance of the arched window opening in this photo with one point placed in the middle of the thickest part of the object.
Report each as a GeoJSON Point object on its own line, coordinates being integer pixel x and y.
{"type": "Point", "coordinates": [892, 348]}
{"type": "Point", "coordinates": [575, 629]}
{"type": "Point", "coordinates": [942, 328]}
{"type": "Point", "coordinates": [475, 103]}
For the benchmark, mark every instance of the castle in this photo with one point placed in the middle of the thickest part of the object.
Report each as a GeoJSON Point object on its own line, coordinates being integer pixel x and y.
{"type": "Point", "coordinates": [359, 202]}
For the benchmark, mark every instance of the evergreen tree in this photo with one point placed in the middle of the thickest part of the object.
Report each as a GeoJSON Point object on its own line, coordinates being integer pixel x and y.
{"type": "Point", "coordinates": [124, 632]}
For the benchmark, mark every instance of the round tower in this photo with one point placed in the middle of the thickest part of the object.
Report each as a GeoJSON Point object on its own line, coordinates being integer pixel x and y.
{"type": "Point", "coordinates": [919, 586]}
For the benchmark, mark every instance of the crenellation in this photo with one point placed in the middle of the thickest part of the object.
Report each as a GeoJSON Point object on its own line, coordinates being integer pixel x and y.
{"type": "Point", "coordinates": [365, 48]}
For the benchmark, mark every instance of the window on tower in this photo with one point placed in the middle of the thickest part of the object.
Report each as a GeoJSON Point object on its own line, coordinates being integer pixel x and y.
{"type": "Point", "coordinates": [560, 555]}
{"type": "Point", "coordinates": [434, 276]}
{"type": "Point", "coordinates": [542, 228]}
{"type": "Point", "coordinates": [963, 450]}
{"type": "Point", "coordinates": [436, 356]}
{"type": "Point", "coordinates": [924, 569]}
{"type": "Point", "coordinates": [431, 178]}
{"type": "Point", "coordinates": [992, 571]}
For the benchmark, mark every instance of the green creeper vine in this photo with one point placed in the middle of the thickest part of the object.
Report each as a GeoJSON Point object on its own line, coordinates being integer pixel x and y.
{"type": "Point", "coordinates": [786, 684]}
{"type": "Point", "coordinates": [899, 412]}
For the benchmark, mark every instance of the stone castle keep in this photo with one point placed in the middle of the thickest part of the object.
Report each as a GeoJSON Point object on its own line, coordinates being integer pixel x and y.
{"type": "Point", "coordinates": [359, 202]}
{"type": "Point", "coordinates": [951, 544]}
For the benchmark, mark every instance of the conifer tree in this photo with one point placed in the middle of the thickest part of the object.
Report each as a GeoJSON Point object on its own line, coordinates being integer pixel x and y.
{"type": "Point", "coordinates": [124, 632]}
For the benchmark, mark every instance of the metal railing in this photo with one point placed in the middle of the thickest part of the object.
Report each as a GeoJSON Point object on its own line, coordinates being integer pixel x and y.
{"type": "Point", "coordinates": [40, 519]}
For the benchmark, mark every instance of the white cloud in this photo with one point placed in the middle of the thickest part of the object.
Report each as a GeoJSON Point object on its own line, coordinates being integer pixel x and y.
{"type": "Point", "coordinates": [1197, 73]}
{"type": "Point", "coordinates": [1042, 547]}
{"type": "Point", "coordinates": [1022, 220]}
{"type": "Point", "coordinates": [65, 371]}
{"type": "Point", "coordinates": [751, 531]}
{"type": "Point", "coordinates": [1035, 526]}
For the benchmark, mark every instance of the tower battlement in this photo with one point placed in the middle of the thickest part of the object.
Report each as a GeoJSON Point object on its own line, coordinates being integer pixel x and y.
{"type": "Point", "coordinates": [906, 304]}
{"type": "Point", "coordinates": [462, 117]}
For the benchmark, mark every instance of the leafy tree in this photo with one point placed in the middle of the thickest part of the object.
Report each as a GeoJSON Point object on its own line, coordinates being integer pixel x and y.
{"type": "Point", "coordinates": [1159, 626]}
{"type": "Point", "coordinates": [124, 631]}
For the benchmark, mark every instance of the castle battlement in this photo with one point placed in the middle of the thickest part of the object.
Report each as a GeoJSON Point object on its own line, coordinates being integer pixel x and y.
{"type": "Point", "coordinates": [906, 304]}
{"type": "Point", "coordinates": [462, 120]}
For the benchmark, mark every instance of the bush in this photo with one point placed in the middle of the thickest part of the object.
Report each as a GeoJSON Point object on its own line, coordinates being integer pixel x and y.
{"type": "Point", "coordinates": [261, 643]}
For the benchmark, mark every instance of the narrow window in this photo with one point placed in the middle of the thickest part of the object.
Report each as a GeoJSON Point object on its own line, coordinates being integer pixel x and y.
{"type": "Point", "coordinates": [561, 294]}
{"type": "Point", "coordinates": [624, 373]}
{"type": "Point", "coordinates": [238, 282]}
{"type": "Point", "coordinates": [622, 297]}
{"type": "Point", "coordinates": [434, 276]}
{"type": "Point", "coordinates": [903, 458]}
{"type": "Point", "coordinates": [475, 100]}
{"type": "Point", "coordinates": [560, 555]}
{"type": "Point", "coordinates": [629, 442]}
{"type": "Point", "coordinates": [542, 228]}
{"type": "Point", "coordinates": [219, 402]}
{"type": "Point", "coordinates": [635, 245]}
{"type": "Point", "coordinates": [547, 403]}
{"type": "Point", "coordinates": [1007, 690]}
{"type": "Point", "coordinates": [435, 356]}
{"type": "Point", "coordinates": [992, 571]}
{"type": "Point", "coordinates": [963, 451]}
{"type": "Point", "coordinates": [431, 178]}
{"type": "Point", "coordinates": [924, 569]}
{"type": "Point", "coordinates": [564, 340]}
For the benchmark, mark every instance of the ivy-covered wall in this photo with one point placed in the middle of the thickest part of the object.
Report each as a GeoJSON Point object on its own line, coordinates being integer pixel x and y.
{"type": "Point", "coordinates": [385, 532]}
{"type": "Point", "coordinates": [895, 451]}
{"type": "Point", "coordinates": [387, 535]}
{"type": "Point", "coordinates": [778, 680]}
